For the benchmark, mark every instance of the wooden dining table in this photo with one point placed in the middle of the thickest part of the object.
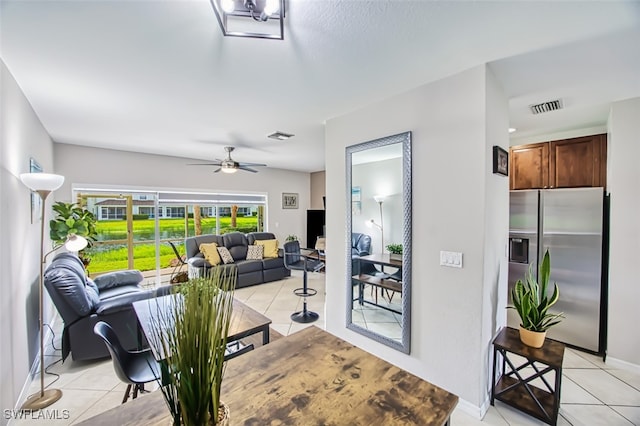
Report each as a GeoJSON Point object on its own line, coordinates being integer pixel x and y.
{"type": "Point", "coordinates": [309, 378]}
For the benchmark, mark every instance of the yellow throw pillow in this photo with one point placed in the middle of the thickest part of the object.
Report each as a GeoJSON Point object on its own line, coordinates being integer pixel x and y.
{"type": "Point", "coordinates": [270, 247]}
{"type": "Point", "coordinates": [210, 251]}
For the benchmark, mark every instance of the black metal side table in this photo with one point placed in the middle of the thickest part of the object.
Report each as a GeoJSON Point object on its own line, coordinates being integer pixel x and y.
{"type": "Point", "coordinates": [517, 391]}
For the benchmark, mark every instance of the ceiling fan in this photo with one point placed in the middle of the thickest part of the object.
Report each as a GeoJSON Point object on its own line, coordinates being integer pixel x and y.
{"type": "Point", "coordinates": [229, 165]}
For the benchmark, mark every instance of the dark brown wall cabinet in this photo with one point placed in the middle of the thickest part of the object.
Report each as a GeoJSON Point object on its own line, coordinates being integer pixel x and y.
{"type": "Point", "coordinates": [568, 163]}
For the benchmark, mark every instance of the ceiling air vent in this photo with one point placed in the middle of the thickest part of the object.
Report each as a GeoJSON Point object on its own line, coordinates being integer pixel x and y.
{"type": "Point", "coordinates": [546, 106]}
{"type": "Point", "coordinates": [281, 136]}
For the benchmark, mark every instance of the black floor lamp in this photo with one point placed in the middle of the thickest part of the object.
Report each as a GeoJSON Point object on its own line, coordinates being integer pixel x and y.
{"type": "Point", "coordinates": [44, 184]}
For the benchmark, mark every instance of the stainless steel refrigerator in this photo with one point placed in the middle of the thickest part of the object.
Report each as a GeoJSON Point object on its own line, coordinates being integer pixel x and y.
{"type": "Point", "coordinates": [570, 224]}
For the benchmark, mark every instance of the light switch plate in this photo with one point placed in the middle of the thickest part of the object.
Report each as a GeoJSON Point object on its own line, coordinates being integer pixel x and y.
{"type": "Point", "coordinates": [451, 259]}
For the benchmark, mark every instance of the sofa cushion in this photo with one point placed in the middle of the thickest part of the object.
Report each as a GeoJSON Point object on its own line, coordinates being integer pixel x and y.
{"type": "Point", "coordinates": [225, 255]}
{"type": "Point", "coordinates": [93, 294]}
{"type": "Point", "coordinates": [270, 247]}
{"type": "Point", "coordinates": [237, 244]}
{"type": "Point", "coordinates": [66, 283]}
{"type": "Point", "coordinates": [118, 278]}
{"type": "Point", "coordinates": [192, 244]}
{"type": "Point", "coordinates": [210, 252]}
{"type": "Point", "coordinates": [273, 263]}
{"type": "Point", "coordinates": [109, 293]}
{"type": "Point", "coordinates": [245, 266]}
{"type": "Point", "coordinates": [252, 237]}
{"type": "Point", "coordinates": [255, 252]}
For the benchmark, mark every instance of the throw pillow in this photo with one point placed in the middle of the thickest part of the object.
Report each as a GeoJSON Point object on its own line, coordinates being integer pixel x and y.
{"type": "Point", "coordinates": [225, 255]}
{"type": "Point", "coordinates": [210, 251]}
{"type": "Point", "coordinates": [255, 252]}
{"type": "Point", "coordinates": [270, 247]}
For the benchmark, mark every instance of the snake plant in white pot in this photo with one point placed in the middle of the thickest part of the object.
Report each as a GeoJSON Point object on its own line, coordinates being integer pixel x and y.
{"type": "Point", "coordinates": [530, 300]}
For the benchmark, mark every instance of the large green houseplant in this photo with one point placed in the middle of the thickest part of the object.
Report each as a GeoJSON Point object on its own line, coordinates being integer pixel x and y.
{"type": "Point", "coordinates": [530, 300]}
{"type": "Point", "coordinates": [193, 337]}
{"type": "Point", "coordinates": [71, 219]}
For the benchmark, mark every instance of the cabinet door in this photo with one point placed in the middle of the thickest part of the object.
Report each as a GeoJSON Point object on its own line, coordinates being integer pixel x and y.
{"type": "Point", "coordinates": [578, 162]}
{"type": "Point", "coordinates": [529, 167]}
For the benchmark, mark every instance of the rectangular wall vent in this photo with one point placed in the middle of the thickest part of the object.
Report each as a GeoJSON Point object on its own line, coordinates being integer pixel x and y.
{"type": "Point", "coordinates": [546, 106]}
{"type": "Point", "coordinates": [281, 136]}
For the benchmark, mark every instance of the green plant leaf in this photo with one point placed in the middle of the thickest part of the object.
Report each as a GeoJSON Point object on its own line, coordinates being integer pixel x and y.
{"type": "Point", "coordinates": [529, 298]}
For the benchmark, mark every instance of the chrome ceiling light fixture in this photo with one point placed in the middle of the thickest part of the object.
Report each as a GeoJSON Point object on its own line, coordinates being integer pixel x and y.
{"type": "Point", "coordinates": [232, 14]}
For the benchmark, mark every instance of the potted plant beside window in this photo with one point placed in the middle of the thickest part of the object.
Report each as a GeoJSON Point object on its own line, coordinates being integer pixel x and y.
{"type": "Point", "coordinates": [395, 251]}
{"type": "Point", "coordinates": [530, 300]}
{"type": "Point", "coordinates": [72, 219]}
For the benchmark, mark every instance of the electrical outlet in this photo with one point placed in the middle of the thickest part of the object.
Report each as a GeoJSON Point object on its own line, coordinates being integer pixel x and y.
{"type": "Point", "coordinates": [451, 259]}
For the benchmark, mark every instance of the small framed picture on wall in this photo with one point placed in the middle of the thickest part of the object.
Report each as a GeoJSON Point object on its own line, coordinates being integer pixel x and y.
{"type": "Point", "coordinates": [500, 161]}
{"type": "Point", "coordinates": [289, 200]}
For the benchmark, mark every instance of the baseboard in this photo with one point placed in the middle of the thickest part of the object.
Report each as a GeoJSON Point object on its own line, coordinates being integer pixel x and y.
{"type": "Point", "coordinates": [623, 365]}
{"type": "Point", "coordinates": [473, 410]}
{"type": "Point", "coordinates": [24, 393]}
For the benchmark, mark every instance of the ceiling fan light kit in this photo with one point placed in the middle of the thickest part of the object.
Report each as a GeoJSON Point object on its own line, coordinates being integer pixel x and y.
{"type": "Point", "coordinates": [250, 18]}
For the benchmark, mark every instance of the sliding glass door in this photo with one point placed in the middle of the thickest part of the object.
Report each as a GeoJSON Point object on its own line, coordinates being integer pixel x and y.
{"type": "Point", "coordinates": [134, 227]}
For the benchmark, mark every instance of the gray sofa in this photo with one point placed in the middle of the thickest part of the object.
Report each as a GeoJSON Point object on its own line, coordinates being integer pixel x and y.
{"type": "Point", "coordinates": [83, 302]}
{"type": "Point", "coordinates": [250, 272]}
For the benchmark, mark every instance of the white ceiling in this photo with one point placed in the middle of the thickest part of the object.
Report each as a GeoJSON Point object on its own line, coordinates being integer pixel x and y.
{"type": "Point", "coordinates": [159, 77]}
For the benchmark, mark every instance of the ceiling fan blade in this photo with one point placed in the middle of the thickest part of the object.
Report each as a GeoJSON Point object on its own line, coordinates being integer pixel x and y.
{"type": "Point", "coordinates": [252, 164]}
{"type": "Point", "coordinates": [203, 164]}
{"type": "Point", "coordinates": [216, 170]}
{"type": "Point", "coordinates": [247, 169]}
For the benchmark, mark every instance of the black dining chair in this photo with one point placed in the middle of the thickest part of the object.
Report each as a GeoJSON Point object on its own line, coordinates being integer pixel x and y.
{"type": "Point", "coordinates": [132, 367]}
{"type": "Point", "coordinates": [294, 260]}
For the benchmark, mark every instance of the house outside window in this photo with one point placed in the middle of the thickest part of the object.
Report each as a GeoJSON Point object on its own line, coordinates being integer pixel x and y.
{"type": "Point", "coordinates": [112, 213]}
{"type": "Point", "coordinates": [147, 211]}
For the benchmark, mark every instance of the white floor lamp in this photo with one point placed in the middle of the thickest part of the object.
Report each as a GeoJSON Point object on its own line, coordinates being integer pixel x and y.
{"type": "Point", "coordinates": [43, 184]}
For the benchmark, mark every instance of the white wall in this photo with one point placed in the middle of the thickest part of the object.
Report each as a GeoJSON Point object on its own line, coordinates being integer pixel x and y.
{"type": "Point", "coordinates": [454, 195]}
{"type": "Point", "coordinates": [104, 167]}
{"type": "Point", "coordinates": [318, 190]}
{"type": "Point", "coordinates": [496, 266]}
{"type": "Point", "coordinates": [22, 136]}
{"type": "Point", "coordinates": [623, 181]}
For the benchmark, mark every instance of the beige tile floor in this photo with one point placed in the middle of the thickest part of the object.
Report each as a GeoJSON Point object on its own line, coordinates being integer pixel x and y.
{"type": "Point", "coordinates": [593, 393]}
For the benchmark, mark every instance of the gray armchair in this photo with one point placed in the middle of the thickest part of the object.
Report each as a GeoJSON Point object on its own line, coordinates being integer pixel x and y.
{"type": "Point", "coordinates": [83, 302]}
{"type": "Point", "coordinates": [361, 246]}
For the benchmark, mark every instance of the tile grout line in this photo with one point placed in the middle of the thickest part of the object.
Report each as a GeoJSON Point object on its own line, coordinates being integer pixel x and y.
{"type": "Point", "coordinates": [618, 378]}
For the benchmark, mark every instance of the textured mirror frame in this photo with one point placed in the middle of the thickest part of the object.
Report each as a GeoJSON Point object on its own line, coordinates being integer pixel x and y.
{"type": "Point", "coordinates": [405, 140]}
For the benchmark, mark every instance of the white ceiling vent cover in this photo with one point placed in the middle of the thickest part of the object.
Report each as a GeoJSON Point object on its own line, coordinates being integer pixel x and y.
{"type": "Point", "coordinates": [546, 106]}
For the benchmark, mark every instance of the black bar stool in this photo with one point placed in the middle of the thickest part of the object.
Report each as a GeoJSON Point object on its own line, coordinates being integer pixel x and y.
{"type": "Point", "coordinates": [294, 260]}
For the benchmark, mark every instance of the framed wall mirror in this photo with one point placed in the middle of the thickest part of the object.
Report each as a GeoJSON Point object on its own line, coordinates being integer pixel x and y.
{"type": "Point", "coordinates": [379, 234]}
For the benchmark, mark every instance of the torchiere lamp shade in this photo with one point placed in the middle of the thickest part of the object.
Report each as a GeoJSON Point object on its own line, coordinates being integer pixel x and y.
{"type": "Point", "coordinates": [42, 181]}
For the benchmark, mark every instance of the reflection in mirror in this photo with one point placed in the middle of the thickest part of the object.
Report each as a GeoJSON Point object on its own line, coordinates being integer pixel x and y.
{"type": "Point", "coordinates": [379, 229]}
